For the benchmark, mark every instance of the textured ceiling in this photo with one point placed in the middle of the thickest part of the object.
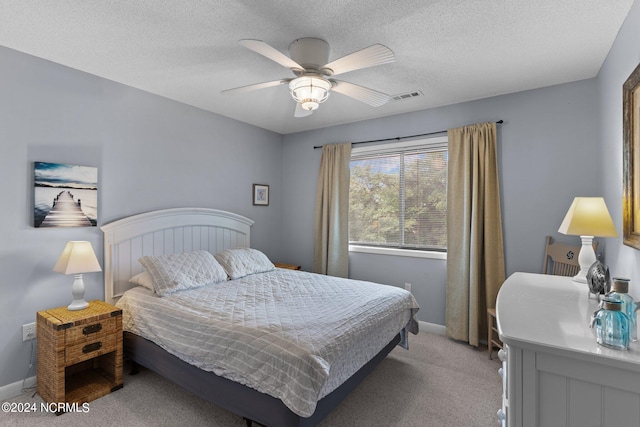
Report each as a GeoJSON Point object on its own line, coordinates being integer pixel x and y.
{"type": "Point", "coordinates": [449, 50]}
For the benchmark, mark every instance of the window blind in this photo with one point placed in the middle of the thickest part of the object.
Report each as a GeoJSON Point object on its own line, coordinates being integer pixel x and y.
{"type": "Point", "coordinates": [398, 196]}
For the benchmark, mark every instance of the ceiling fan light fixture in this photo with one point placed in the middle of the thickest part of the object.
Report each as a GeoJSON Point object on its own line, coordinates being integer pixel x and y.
{"type": "Point", "coordinates": [313, 82]}
{"type": "Point", "coordinates": [309, 105]}
{"type": "Point", "coordinates": [310, 91]}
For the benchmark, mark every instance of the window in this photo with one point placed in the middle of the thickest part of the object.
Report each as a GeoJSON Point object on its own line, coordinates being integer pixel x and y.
{"type": "Point", "coordinates": [398, 195]}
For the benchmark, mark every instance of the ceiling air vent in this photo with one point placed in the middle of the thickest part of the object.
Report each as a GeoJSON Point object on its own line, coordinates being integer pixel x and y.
{"type": "Point", "coordinates": [408, 95]}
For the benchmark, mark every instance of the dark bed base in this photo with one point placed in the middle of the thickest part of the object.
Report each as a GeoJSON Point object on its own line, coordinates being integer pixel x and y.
{"type": "Point", "coordinates": [235, 397]}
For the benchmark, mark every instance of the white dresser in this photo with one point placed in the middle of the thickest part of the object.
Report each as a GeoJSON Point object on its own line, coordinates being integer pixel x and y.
{"type": "Point", "coordinates": [555, 374]}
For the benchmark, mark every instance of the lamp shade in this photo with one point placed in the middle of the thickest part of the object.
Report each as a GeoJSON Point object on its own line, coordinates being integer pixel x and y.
{"type": "Point", "coordinates": [76, 258]}
{"type": "Point", "coordinates": [588, 216]}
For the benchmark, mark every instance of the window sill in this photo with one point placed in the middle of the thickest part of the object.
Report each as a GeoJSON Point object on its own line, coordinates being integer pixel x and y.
{"type": "Point", "coordinates": [397, 252]}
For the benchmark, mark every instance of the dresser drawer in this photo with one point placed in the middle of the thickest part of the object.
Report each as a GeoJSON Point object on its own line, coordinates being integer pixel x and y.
{"type": "Point", "coordinates": [90, 331]}
{"type": "Point", "coordinates": [76, 353]}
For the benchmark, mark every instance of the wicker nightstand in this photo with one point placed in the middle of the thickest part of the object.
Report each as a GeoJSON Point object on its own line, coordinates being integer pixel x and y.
{"type": "Point", "coordinates": [79, 353]}
{"type": "Point", "coordinates": [287, 266]}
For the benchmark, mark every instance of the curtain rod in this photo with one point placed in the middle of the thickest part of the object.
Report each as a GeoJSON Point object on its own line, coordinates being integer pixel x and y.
{"type": "Point", "coordinates": [398, 138]}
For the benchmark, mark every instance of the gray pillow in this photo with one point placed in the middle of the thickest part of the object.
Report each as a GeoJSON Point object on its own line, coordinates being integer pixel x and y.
{"type": "Point", "coordinates": [187, 270]}
{"type": "Point", "coordinates": [242, 262]}
{"type": "Point", "coordinates": [143, 279]}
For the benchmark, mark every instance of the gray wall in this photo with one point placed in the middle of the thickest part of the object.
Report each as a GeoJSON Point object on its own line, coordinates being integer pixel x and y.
{"type": "Point", "coordinates": [623, 58]}
{"type": "Point", "coordinates": [556, 143]}
{"type": "Point", "coordinates": [547, 156]}
{"type": "Point", "coordinates": [151, 153]}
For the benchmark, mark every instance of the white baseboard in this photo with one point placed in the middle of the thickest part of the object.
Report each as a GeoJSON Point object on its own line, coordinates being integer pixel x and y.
{"type": "Point", "coordinates": [432, 327]}
{"type": "Point", "coordinates": [12, 390]}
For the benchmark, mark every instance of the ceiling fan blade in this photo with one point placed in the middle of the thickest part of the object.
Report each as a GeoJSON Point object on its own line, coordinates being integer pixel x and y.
{"type": "Point", "coordinates": [361, 93]}
{"type": "Point", "coordinates": [272, 53]}
{"type": "Point", "coordinates": [248, 88]}
{"type": "Point", "coordinates": [301, 112]}
{"type": "Point", "coordinates": [376, 54]}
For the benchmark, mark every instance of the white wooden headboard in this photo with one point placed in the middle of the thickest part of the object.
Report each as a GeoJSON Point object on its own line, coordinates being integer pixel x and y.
{"type": "Point", "coordinates": [166, 232]}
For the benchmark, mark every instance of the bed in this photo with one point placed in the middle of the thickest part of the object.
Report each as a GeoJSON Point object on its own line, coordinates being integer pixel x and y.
{"type": "Point", "coordinates": [261, 341]}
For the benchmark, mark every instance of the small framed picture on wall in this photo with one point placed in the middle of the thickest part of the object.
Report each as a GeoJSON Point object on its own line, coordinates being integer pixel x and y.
{"type": "Point", "coordinates": [260, 195]}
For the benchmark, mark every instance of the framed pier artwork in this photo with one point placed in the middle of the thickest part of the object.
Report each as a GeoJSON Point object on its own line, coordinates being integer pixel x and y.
{"type": "Point", "coordinates": [65, 195]}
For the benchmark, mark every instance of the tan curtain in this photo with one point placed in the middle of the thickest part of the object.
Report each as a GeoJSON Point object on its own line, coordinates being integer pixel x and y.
{"type": "Point", "coordinates": [331, 232]}
{"type": "Point", "coordinates": [475, 254]}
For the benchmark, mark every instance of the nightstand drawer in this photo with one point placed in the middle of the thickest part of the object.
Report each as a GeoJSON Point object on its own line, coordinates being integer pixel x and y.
{"type": "Point", "coordinates": [90, 331]}
{"type": "Point", "coordinates": [87, 350]}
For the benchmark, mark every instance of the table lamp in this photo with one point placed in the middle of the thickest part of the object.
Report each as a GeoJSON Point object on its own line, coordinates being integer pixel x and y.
{"type": "Point", "coordinates": [588, 217]}
{"type": "Point", "coordinates": [77, 258]}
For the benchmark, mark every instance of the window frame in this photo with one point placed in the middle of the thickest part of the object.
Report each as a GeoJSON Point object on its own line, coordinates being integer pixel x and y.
{"type": "Point", "coordinates": [432, 143]}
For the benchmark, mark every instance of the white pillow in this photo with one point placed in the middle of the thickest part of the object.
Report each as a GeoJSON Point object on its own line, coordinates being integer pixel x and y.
{"type": "Point", "coordinates": [242, 262]}
{"type": "Point", "coordinates": [143, 279]}
{"type": "Point", "coordinates": [175, 272]}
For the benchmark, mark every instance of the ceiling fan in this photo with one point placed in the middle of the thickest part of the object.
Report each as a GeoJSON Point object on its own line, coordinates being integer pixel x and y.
{"type": "Point", "coordinates": [313, 79]}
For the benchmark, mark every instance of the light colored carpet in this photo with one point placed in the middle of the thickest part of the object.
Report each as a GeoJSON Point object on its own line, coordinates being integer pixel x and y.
{"type": "Point", "coordinates": [438, 382]}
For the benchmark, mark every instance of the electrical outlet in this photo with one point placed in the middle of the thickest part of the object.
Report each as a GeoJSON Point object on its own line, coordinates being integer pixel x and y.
{"type": "Point", "coordinates": [28, 331]}
{"type": "Point", "coordinates": [407, 286]}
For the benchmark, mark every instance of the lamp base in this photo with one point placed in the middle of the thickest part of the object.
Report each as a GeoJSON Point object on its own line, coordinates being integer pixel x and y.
{"type": "Point", "coordinates": [586, 259]}
{"type": "Point", "coordinates": [580, 279]}
{"type": "Point", "coordinates": [77, 291]}
{"type": "Point", "coordinates": [77, 305]}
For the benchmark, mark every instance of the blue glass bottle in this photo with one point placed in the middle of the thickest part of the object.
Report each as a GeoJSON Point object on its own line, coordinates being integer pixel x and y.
{"type": "Point", "coordinates": [612, 325]}
{"type": "Point", "coordinates": [620, 292]}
